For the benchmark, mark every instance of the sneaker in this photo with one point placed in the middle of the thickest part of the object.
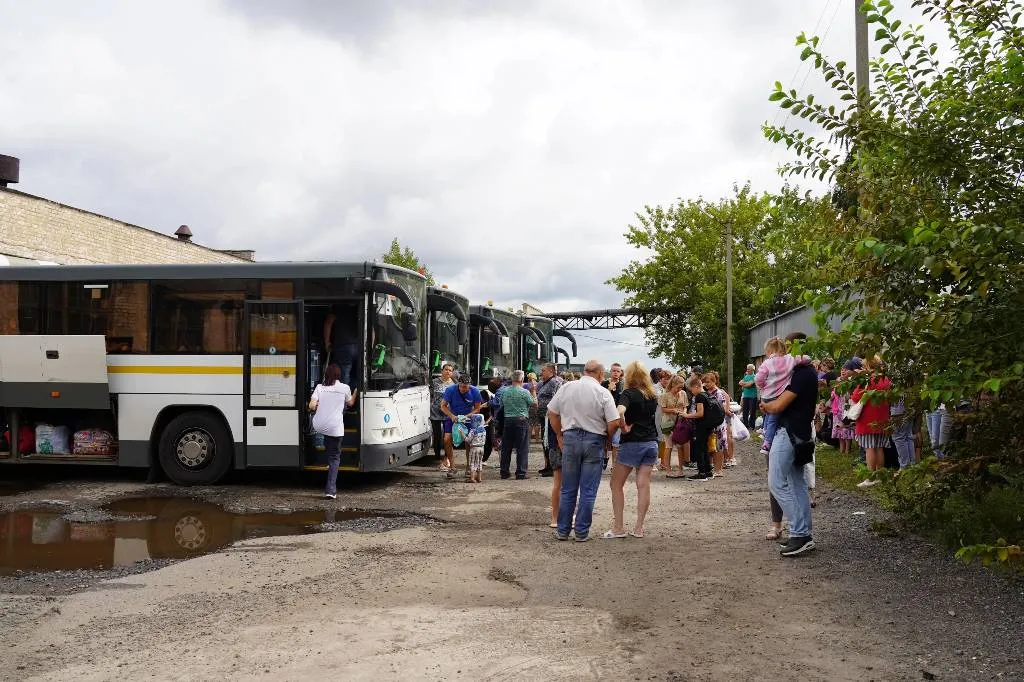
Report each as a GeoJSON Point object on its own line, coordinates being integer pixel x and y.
{"type": "Point", "coordinates": [730, 464]}
{"type": "Point", "coordinates": [690, 465]}
{"type": "Point", "coordinates": [329, 496]}
{"type": "Point", "coordinates": [521, 478]}
{"type": "Point", "coordinates": [866, 483]}
{"type": "Point", "coordinates": [547, 473]}
{"type": "Point", "coordinates": [699, 477]}
{"type": "Point", "coordinates": [585, 538]}
{"type": "Point", "coordinates": [506, 476]}
{"type": "Point", "coordinates": [765, 449]}
{"type": "Point", "coordinates": [561, 538]}
{"type": "Point", "coordinates": [797, 545]}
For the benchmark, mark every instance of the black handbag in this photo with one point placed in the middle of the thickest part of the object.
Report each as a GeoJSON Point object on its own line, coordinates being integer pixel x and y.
{"type": "Point", "coordinates": [803, 450]}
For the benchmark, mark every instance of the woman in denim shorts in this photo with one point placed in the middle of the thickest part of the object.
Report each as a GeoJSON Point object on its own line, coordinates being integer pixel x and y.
{"type": "Point", "coordinates": [638, 449]}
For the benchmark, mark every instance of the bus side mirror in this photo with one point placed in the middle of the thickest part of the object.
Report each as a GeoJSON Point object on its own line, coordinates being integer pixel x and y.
{"type": "Point", "coordinates": [462, 331]}
{"type": "Point", "coordinates": [435, 360]}
{"type": "Point", "coordinates": [487, 365]}
{"type": "Point", "coordinates": [379, 351]}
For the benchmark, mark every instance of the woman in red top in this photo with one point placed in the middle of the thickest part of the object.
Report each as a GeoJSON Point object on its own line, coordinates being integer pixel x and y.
{"type": "Point", "coordinates": [873, 423]}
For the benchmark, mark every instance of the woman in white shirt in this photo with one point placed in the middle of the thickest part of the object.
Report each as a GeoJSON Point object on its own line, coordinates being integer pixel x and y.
{"type": "Point", "coordinates": [329, 401]}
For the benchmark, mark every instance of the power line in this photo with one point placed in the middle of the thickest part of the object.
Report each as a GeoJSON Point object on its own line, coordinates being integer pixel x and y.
{"type": "Point", "coordinates": [624, 343]}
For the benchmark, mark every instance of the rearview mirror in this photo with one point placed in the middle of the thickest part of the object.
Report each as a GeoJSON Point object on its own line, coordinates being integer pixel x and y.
{"type": "Point", "coordinates": [409, 331]}
{"type": "Point", "coordinates": [462, 332]}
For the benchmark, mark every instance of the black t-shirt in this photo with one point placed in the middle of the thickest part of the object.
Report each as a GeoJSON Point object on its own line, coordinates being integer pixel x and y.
{"type": "Point", "coordinates": [701, 398]}
{"type": "Point", "coordinates": [616, 389]}
{"type": "Point", "coordinates": [639, 415]}
{"type": "Point", "coordinates": [798, 416]}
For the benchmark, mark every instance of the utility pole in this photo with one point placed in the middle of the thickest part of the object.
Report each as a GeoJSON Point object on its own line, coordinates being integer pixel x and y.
{"type": "Point", "coordinates": [728, 307]}
{"type": "Point", "coordinates": [861, 34]}
{"type": "Point", "coordinates": [727, 225]}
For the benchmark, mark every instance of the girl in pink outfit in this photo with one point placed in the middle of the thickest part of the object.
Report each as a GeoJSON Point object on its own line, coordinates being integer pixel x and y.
{"type": "Point", "coordinates": [772, 379]}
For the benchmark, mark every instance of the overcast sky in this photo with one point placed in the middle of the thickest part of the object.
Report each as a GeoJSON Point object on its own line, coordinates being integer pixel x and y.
{"type": "Point", "coordinates": [509, 143]}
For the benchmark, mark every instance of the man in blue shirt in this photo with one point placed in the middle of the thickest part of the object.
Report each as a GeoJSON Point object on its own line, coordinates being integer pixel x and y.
{"type": "Point", "coordinates": [459, 402]}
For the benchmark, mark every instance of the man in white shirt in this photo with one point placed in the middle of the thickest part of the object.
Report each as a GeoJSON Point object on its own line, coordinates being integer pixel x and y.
{"type": "Point", "coordinates": [584, 418]}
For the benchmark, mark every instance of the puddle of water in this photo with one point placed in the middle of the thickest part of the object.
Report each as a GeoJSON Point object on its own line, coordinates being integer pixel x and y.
{"type": "Point", "coordinates": [144, 528]}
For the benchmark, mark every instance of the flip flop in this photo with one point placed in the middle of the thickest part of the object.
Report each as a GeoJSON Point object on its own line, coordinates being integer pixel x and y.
{"type": "Point", "coordinates": [610, 535]}
{"type": "Point", "coordinates": [635, 535]}
{"type": "Point", "coordinates": [552, 525]}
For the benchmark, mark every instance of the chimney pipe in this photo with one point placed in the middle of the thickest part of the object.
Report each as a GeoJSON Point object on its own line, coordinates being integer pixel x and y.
{"type": "Point", "coordinates": [183, 233]}
{"type": "Point", "coordinates": [9, 167]}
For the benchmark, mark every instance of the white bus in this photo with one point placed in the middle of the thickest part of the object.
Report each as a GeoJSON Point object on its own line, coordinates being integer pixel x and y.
{"type": "Point", "coordinates": [199, 369]}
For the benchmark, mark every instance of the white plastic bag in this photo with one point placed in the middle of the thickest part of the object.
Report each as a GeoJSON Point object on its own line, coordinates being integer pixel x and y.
{"type": "Point", "coordinates": [739, 430]}
{"type": "Point", "coordinates": [53, 440]}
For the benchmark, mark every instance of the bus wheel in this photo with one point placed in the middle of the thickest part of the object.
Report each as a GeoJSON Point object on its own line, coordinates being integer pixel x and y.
{"type": "Point", "coordinates": [195, 449]}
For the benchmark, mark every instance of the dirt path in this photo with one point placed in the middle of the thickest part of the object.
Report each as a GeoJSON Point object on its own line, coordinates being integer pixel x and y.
{"type": "Point", "coordinates": [492, 596]}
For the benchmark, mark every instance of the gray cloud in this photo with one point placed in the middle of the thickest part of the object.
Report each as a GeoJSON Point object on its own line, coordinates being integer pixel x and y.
{"type": "Point", "coordinates": [508, 143]}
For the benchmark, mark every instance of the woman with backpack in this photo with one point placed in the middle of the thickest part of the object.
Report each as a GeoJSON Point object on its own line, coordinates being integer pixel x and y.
{"type": "Point", "coordinates": [723, 432]}
{"type": "Point", "coordinates": [706, 417]}
{"type": "Point", "coordinates": [638, 449]}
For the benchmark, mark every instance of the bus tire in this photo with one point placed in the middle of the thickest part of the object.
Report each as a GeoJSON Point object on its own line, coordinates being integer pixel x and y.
{"type": "Point", "coordinates": [195, 448]}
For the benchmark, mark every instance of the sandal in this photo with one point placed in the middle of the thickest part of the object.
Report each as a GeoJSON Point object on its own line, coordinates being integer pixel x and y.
{"type": "Point", "coordinates": [612, 535]}
{"type": "Point", "coordinates": [636, 535]}
{"type": "Point", "coordinates": [773, 534]}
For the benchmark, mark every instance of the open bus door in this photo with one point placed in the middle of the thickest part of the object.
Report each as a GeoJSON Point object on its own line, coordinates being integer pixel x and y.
{"type": "Point", "coordinates": [273, 403]}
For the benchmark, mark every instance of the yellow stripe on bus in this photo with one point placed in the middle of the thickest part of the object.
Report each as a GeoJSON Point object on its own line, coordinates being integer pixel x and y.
{"type": "Point", "coordinates": [193, 369]}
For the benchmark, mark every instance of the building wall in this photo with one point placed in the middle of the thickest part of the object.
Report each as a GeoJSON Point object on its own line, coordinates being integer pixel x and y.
{"type": "Point", "coordinates": [39, 229]}
{"type": "Point", "coordinates": [799, 319]}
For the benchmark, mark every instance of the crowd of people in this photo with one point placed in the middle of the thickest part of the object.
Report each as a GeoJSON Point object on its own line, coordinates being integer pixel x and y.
{"type": "Point", "coordinates": [635, 421]}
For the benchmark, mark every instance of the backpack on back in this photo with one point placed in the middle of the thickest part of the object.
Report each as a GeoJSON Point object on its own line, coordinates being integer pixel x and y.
{"type": "Point", "coordinates": [714, 413]}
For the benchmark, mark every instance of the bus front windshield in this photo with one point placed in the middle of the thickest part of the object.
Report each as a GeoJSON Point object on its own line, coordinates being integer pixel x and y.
{"type": "Point", "coordinates": [446, 342]}
{"type": "Point", "coordinates": [496, 355]}
{"type": "Point", "coordinates": [395, 361]}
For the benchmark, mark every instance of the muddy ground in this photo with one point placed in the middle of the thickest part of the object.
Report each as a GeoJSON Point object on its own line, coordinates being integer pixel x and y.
{"type": "Point", "coordinates": [472, 585]}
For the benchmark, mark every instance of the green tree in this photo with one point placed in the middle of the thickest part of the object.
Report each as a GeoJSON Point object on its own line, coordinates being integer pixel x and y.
{"type": "Point", "coordinates": [406, 258]}
{"type": "Point", "coordinates": [929, 239]}
{"type": "Point", "coordinates": [684, 268]}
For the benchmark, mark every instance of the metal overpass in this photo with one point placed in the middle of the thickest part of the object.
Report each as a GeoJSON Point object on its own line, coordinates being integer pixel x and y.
{"type": "Point", "coordinates": [612, 318]}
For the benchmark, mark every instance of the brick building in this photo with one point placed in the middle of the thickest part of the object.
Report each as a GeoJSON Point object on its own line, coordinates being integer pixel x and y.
{"type": "Point", "coordinates": [34, 229]}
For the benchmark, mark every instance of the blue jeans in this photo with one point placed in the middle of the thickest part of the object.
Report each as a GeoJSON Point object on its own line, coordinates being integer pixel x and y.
{"type": "Point", "coordinates": [581, 477]}
{"type": "Point", "coordinates": [516, 434]}
{"type": "Point", "coordinates": [903, 439]}
{"type": "Point", "coordinates": [344, 355]}
{"type": "Point", "coordinates": [770, 425]}
{"type": "Point", "coordinates": [939, 425]}
{"type": "Point", "coordinates": [789, 486]}
{"type": "Point", "coordinates": [333, 446]}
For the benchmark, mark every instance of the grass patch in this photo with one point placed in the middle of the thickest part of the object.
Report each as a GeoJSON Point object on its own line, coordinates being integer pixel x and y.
{"type": "Point", "coordinates": [840, 470]}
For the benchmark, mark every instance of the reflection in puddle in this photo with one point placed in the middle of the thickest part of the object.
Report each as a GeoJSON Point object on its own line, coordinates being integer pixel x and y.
{"type": "Point", "coordinates": [146, 528]}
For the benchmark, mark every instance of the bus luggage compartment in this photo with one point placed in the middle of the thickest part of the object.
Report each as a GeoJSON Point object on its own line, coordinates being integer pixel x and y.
{"type": "Point", "coordinates": [39, 371]}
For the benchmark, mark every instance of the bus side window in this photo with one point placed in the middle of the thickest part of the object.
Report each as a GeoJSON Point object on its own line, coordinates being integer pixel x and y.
{"type": "Point", "coordinates": [197, 317]}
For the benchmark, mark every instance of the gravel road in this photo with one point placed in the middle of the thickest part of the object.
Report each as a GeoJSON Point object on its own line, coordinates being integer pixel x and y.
{"type": "Point", "coordinates": [475, 587]}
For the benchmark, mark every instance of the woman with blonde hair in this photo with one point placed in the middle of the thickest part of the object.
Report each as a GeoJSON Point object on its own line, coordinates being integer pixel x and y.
{"type": "Point", "coordinates": [638, 449]}
{"type": "Point", "coordinates": [674, 402]}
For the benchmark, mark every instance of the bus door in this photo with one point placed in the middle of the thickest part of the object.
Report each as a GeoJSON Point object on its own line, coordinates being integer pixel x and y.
{"type": "Point", "coordinates": [273, 363]}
